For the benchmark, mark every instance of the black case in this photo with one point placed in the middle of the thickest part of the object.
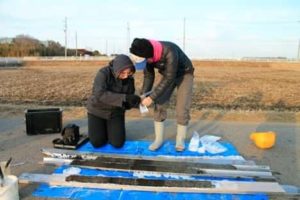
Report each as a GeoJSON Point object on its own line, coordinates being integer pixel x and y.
{"type": "Point", "coordinates": [42, 121]}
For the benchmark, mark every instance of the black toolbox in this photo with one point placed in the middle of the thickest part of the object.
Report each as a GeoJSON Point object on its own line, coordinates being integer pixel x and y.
{"type": "Point", "coordinates": [42, 121]}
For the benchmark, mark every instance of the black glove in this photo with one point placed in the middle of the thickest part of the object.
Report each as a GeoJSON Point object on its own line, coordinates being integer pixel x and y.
{"type": "Point", "coordinates": [132, 101]}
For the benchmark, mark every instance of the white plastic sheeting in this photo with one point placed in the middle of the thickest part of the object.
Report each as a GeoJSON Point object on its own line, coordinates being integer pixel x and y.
{"type": "Point", "coordinates": [10, 62]}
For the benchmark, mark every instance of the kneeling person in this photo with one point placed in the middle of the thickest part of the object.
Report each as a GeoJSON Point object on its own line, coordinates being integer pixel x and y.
{"type": "Point", "coordinates": [112, 94]}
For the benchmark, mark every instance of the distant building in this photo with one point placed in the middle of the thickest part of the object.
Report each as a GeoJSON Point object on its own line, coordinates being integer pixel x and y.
{"type": "Point", "coordinates": [264, 58]}
{"type": "Point", "coordinates": [84, 52]}
{"type": "Point", "coordinates": [5, 40]}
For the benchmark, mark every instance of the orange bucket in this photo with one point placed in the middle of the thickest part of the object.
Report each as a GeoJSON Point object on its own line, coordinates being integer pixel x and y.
{"type": "Point", "coordinates": [263, 140]}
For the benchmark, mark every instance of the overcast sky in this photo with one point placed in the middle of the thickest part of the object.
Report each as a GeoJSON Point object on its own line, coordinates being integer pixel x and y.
{"type": "Point", "coordinates": [213, 28]}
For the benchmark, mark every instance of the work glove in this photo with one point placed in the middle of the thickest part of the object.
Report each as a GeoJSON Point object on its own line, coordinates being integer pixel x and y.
{"type": "Point", "coordinates": [132, 101]}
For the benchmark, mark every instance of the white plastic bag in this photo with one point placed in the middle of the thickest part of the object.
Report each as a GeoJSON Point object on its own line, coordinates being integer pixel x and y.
{"type": "Point", "coordinates": [209, 144]}
{"type": "Point", "coordinates": [194, 143]}
{"type": "Point", "coordinates": [143, 110]}
{"type": "Point", "coordinates": [209, 139]}
{"type": "Point", "coordinates": [215, 147]}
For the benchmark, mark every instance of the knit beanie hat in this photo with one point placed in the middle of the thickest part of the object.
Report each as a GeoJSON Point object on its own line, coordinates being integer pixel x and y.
{"type": "Point", "coordinates": [141, 47]}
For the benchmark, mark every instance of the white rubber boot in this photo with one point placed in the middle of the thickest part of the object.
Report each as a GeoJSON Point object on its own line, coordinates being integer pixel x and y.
{"type": "Point", "coordinates": [180, 137]}
{"type": "Point", "coordinates": [159, 136]}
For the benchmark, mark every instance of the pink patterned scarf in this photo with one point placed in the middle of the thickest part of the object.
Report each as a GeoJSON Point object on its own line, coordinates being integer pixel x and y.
{"type": "Point", "coordinates": [157, 50]}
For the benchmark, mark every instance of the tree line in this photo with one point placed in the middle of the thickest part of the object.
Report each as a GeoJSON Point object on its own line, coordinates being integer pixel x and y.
{"type": "Point", "coordinates": [24, 45]}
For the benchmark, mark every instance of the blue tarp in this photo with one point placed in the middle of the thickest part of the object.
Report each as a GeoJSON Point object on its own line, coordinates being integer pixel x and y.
{"type": "Point", "coordinates": [168, 149]}
{"type": "Point", "coordinates": [136, 148]}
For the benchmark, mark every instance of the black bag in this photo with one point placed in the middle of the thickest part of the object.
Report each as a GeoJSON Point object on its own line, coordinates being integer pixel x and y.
{"type": "Point", "coordinates": [70, 134]}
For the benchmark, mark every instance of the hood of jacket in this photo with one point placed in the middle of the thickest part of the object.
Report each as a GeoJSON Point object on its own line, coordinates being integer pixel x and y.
{"type": "Point", "coordinates": [120, 63]}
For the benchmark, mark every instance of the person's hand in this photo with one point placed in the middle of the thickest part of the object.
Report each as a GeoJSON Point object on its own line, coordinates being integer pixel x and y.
{"type": "Point", "coordinates": [132, 100]}
{"type": "Point", "coordinates": [147, 101]}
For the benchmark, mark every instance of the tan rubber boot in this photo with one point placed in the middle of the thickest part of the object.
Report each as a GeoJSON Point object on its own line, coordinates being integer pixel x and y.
{"type": "Point", "coordinates": [180, 137]}
{"type": "Point", "coordinates": [159, 136]}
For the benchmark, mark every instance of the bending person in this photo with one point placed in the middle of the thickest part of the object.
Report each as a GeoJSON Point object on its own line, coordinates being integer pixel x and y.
{"type": "Point", "coordinates": [177, 72]}
{"type": "Point", "coordinates": [112, 94]}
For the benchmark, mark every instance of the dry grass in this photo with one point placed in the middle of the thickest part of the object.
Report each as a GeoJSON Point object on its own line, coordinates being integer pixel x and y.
{"type": "Point", "coordinates": [248, 85]}
{"type": "Point", "coordinates": [218, 84]}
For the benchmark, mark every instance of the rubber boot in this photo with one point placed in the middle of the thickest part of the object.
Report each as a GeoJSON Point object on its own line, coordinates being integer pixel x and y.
{"type": "Point", "coordinates": [180, 137]}
{"type": "Point", "coordinates": [159, 136]}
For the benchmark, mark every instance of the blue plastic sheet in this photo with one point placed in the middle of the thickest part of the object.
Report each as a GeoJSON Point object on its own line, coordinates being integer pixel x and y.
{"type": "Point", "coordinates": [168, 149]}
{"type": "Point", "coordinates": [137, 148]}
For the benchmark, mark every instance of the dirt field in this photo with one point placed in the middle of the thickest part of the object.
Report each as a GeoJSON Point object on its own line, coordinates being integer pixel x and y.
{"type": "Point", "coordinates": [231, 99]}
{"type": "Point", "coordinates": [218, 84]}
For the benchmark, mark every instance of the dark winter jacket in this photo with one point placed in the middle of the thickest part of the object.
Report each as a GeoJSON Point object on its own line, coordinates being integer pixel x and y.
{"type": "Point", "coordinates": [172, 65]}
{"type": "Point", "coordinates": [109, 92]}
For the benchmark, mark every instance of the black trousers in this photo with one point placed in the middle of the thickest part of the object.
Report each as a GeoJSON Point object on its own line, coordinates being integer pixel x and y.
{"type": "Point", "coordinates": [103, 131]}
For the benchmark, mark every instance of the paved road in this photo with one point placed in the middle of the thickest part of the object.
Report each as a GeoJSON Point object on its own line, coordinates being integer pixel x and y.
{"type": "Point", "coordinates": [284, 157]}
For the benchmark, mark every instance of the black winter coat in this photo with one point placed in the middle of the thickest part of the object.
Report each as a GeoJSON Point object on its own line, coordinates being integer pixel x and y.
{"type": "Point", "coordinates": [109, 92]}
{"type": "Point", "coordinates": [172, 65]}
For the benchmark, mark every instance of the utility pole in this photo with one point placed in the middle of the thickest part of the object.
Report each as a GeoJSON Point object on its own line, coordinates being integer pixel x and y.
{"type": "Point", "coordinates": [114, 49]}
{"type": "Point", "coordinates": [106, 47]}
{"type": "Point", "coordinates": [66, 37]}
{"type": "Point", "coordinates": [128, 36]}
{"type": "Point", "coordinates": [299, 51]}
{"type": "Point", "coordinates": [183, 34]}
{"type": "Point", "coordinates": [298, 46]}
{"type": "Point", "coordinates": [76, 43]}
